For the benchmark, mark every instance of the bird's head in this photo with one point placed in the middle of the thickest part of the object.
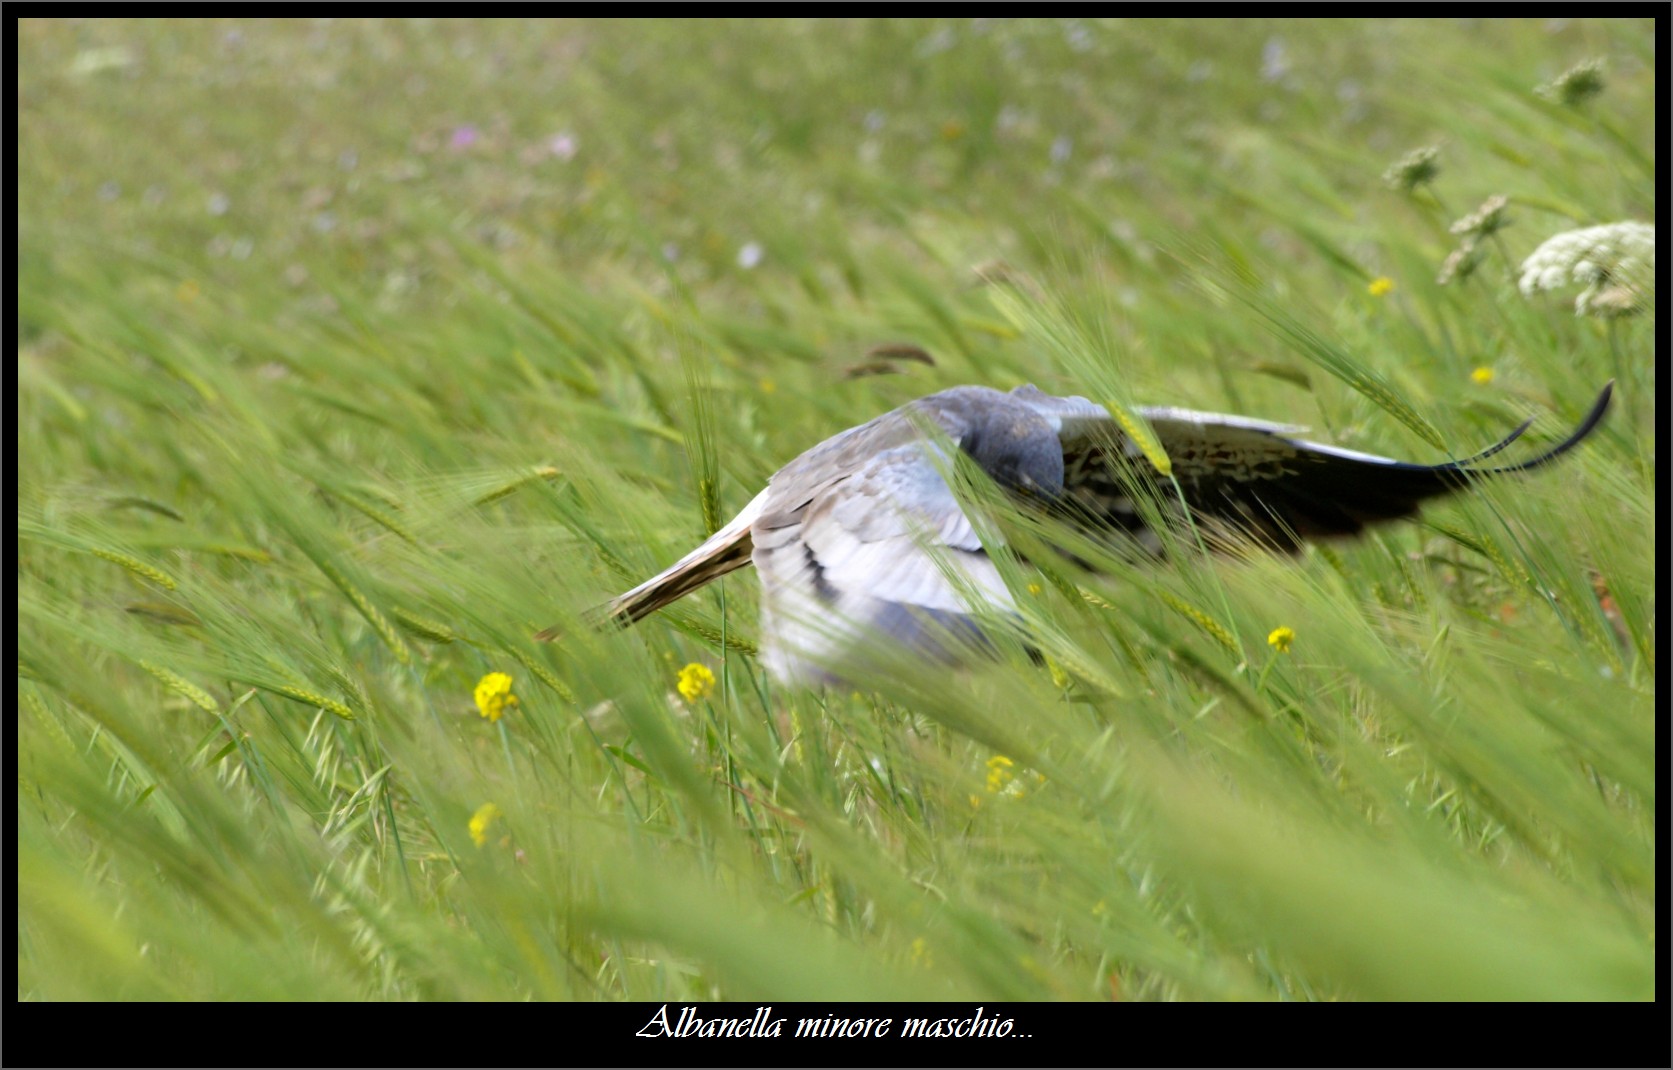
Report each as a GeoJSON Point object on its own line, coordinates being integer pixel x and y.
{"type": "Point", "coordinates": [1019, 451]}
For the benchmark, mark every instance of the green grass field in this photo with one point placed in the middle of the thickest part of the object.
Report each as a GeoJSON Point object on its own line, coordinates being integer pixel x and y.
{"type": "Point", "coordinates": [353, 354]}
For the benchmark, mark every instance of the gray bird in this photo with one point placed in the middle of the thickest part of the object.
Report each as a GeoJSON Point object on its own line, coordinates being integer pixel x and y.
{"type": "Point", "coordinates": [861, 539]}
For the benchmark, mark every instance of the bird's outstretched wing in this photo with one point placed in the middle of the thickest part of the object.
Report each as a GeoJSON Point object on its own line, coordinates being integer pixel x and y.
{"type": "Point", "coordinates": [864, 541]}
{"type": "Point", "coordinates": [883, 554]}
{"type": "Point", "coordinates": [1251, 481]}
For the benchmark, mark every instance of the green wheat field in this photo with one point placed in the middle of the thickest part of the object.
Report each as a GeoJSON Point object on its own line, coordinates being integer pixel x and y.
{"type": "Point", "coordinates": [352, 354]}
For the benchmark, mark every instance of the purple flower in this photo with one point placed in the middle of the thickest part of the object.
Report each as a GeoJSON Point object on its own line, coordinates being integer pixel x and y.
{"type": "Point", "coordinates": [1275, 60]}
{"type": "Point", "coordinates": [463, 137]}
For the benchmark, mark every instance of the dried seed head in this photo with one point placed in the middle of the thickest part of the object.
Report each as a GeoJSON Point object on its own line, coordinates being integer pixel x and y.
{"type": "Point", "coordinates": [1461, 263]}
{"type": "Point", "coordinates": [1575, 86]}
{"type": "Point", "coordinates": [1490, 218]}
{"type": "Point", "coordinates": [1416, 168]}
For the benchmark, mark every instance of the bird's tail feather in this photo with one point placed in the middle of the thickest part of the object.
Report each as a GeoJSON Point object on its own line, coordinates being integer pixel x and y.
{"type": "Point", "coordinates": [727, 549]}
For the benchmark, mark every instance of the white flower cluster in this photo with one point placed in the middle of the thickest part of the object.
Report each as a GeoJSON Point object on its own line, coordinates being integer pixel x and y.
{"type": "Point", "coordinates": [1616, 263]}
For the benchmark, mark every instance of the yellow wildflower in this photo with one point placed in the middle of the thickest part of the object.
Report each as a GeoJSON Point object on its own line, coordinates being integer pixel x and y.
{"type": "Point", "coordinates": [188, 291]}
{"type": "Point", "coordinates": [485, 815]}
{"type": "Point", "coordinates": [921, 955]}
{"type": "Point", "coordinates": [999, 773]}
{"type": "Point", "coordinates": [1002, 781]}
{"type": "Point", "coordinates": [1380, 286]}
{"type": "Point", "coordinates": [1482, 375]}
{"type": "Point", "coordinates": [1281, 639]}
{"type": "Point", "coordinates": [695, 681]}
{"type": "Point", "coordinates": [493, 695]}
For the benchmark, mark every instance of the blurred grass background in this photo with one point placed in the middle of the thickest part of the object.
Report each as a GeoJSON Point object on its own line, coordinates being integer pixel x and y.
{"type": "Point", "coordinates": [353, 353]}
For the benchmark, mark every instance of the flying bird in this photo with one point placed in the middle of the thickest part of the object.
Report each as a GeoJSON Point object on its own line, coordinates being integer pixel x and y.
{"type": "Point", "coordinates": [862, 538]}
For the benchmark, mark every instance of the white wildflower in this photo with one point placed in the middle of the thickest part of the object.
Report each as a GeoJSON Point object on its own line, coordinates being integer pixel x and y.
{"type": "Point", "coordinates": [1616, 263]}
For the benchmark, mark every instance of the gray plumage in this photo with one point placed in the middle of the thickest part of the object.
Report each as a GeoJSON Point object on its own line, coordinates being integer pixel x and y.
{"type": "Point", "coordinates": [861, 538]}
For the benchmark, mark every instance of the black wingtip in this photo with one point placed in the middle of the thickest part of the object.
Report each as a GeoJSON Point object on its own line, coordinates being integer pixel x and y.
{"type": "Point", "coordinates": [1600, 408]}
{"type": "Point", "coordinates": [1497, 447]}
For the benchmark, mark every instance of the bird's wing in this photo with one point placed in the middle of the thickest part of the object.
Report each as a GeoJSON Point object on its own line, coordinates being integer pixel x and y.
{"type": "Point", "coordinates": [879, 547]}
{"type": "Point", "coordinates": [1250, 480]}
{"type": "Point", "coordinates": [846, 453]}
